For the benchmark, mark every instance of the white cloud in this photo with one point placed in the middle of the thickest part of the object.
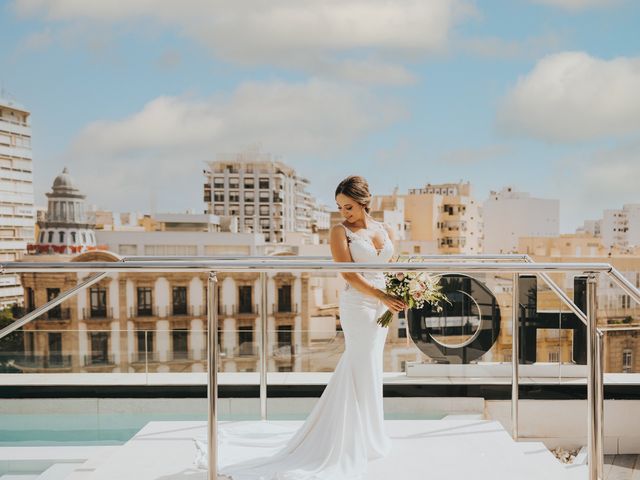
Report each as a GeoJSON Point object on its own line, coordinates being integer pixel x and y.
{"type": "Point", "coordinates": [290, 33]}
{"type": "Point", "coordinates": [496, 47]}
{"type": "Point", "coordinates": [577, 4]}
{"type": "Point", "coordinates": [573, 96]}
{"type": "Point", "coordinates": [164, 146]}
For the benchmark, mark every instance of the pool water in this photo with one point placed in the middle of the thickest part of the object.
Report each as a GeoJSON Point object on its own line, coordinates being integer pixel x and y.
{"type": "Point", "coordinates": [114, 429]}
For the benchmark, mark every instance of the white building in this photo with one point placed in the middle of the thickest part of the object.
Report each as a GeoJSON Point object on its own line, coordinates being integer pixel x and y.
{"type": "Point", "coordinates": [621, 228]}
{"type": "Point", "coordinates": [16, 193]}
{"type": "Point", "coordinates": [266, 195]}
{"type": "Point", "coordinates": [591, 227]}
{"type": "Point", "coordinates": [509, 215]}
{"type": "Point", "coordinates": [180, 243]}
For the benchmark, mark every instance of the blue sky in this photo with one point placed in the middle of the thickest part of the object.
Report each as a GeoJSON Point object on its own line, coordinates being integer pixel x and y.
{"type": "Point", "coordinates": [135, 96]}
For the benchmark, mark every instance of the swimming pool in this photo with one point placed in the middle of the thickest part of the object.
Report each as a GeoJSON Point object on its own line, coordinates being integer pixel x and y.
{"type": "Point", "coordinates": [115, 428]}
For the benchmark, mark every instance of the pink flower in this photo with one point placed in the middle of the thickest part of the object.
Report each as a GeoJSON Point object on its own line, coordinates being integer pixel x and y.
{"type": "Point", "coordinates": [400, 276]}
{"type": "Point", "coordinates": [416, 296]}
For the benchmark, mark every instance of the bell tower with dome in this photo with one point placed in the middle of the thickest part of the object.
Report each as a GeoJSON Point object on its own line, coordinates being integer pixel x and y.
{"type": "Point", "coordinates": [65, 229]}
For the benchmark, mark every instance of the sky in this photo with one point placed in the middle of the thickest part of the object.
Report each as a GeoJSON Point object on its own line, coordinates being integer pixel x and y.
{"type": "Point", "coordinates": [136, 96]}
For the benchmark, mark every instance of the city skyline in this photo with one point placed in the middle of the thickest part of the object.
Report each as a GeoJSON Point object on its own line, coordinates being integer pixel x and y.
{"type": "Point", "coordinates": [135, 92]}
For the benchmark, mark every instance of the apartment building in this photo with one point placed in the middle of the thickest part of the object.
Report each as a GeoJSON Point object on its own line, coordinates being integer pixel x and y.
{"type": "Point", "coordinates": [16, 193]}
{"type": "Point", "coordinates": [266, 195]}
{"type": "Point", "coordinates": [621, 228]}
{"type": "Point", "coordinates": [508, 215]}
{"type": "Point", "coordinates": [446, 214]}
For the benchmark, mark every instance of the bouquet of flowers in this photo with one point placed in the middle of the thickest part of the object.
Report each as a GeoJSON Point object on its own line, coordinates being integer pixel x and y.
{"type": "Point", "coordinates": [415, 289]}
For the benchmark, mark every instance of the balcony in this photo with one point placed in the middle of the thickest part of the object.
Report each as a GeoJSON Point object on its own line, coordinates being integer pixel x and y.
{"type": "Point", "coordinates": [285, 309]}
{"type": "Point", "coordinates": [245, 310]}
{"type": "Point", "coordinates": [27, 362]}
{"type": "Point", "coordinates": [57, 315]}
{"type": "Point", "coordinates": [105, 313]}
{"type": "Point", "coordinates": [98, 361]}
{"type": "Point", "coordinates": [187, 310]}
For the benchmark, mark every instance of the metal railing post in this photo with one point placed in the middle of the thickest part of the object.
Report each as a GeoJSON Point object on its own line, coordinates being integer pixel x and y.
{"type": "Point", "coordinates": [212, 384]}
{"type": "Point", "coordinates": [594, 385]}
{"type": "Point", "coordinates": [263, 346]}
{"type": "Point", "coordinates": [515, 340]}
{"type": "Point", "coordinates": [600, 399]}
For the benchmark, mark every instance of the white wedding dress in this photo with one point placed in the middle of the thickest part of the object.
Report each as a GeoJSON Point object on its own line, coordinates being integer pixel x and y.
{"type": "Point", "coordinates": [345, 429]}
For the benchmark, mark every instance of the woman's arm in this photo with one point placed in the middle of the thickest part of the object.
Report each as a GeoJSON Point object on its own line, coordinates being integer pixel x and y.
{"type": "Point", "coordinates": [340, 252]}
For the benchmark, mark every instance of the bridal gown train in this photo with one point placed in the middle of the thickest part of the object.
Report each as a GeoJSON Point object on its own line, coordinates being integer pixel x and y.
{"type": "Point", "coordinates": [345, 428]}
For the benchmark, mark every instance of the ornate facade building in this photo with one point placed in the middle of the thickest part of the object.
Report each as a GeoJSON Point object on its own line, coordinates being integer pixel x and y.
{"type": "Point", "coordinates": [65, 229]}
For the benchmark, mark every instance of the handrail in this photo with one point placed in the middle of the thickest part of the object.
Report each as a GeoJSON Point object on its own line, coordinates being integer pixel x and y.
{"type": "Point", "coordinates": [287, 256]}
{"type": "Point", "coordinates": [310, 266]}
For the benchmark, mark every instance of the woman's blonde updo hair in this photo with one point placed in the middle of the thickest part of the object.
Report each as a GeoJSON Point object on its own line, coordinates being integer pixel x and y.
{"type": "Point", "coordinates": [357, 188]}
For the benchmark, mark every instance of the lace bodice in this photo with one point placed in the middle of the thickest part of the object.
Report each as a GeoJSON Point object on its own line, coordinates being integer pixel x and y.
{"type": "Point", "coordinates": [363, 250]}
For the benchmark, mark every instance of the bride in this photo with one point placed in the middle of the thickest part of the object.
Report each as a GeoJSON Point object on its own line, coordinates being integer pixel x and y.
{"type": "Point", "coordinates": [345, 429]}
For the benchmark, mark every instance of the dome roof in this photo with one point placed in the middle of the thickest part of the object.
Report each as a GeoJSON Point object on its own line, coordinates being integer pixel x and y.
{"type": "Point", "coordinates": [64, 180]}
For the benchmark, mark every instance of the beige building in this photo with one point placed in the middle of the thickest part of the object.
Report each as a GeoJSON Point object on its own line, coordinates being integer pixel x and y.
{"type": "Point", "coordinates": [446, 214]}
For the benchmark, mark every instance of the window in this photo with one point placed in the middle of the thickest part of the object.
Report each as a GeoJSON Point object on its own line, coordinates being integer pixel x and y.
{"type": "Point", "coordinates": [245, 300]}
{"type": "Point", "coordinates": [234, 182]}
{"type": "Point", "coordinates": [245, 340]}
{"type": "Point", "coordinates": [50, 239]}
{"type": "Point", "coordinates": [402, 332]}
{"type": "Point", "coordinates": [145, 341]}
{"type": "Point", "coordinates": [55, 312]}
{"type": "Point", "coordinates": [284, 335]}
{"type": "Point", "coordinates": [218, 197]}
{"type": "Point", "coordinates": [179, 300]}
{"type": "Point", "coordinates": [55, 348]}
{"type": "Point", "coordinates": [84, 238]}
{"type": "Point", "coordinates": [41, 237]}
{"type": "Point", "coordinates": [554, 357]}
{"type": "Point", "coordinates": [30, 299]}
{"type": "Point", "coordinates": [31, 343]}
{"type": "Point", "coordinates": [99, 348]}
{"type": "Point", "coordinates": [249, 183]}
{"type": "Point", "coordinates": [144, 302]}
{"type": "Point", "coordinates": [284, 298]}
{"type": "Point", "coordinates": [73, 237]}
{"type": "Point", "coordinates": [249, 197]}
{"type": "Point", "coordinates": [180, 342]}
{"type": "Point", "coordinates": [264, 210]}
{"type": "Point", "coordinates": [264, 197]}
{"type": "Point", "coordinates": [264, 182]}
{"type": "Point", "coordinates": [249, 210]}
{"type": "Point", "coordinates": [234, 196]}
{"type": "Point", "coordinates": [218, 182]}
{"type": "Point", "coordinates": [627, 361]}
{"type": "Point", "coordinates": [98, 302]}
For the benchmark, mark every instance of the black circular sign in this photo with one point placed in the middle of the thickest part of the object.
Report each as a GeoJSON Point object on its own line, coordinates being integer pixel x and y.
{"type": "Point", "coordinates": [464, 330]}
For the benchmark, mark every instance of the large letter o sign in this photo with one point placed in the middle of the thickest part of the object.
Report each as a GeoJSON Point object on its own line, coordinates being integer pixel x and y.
{"type": "Point", "coordinates": [463, 331]}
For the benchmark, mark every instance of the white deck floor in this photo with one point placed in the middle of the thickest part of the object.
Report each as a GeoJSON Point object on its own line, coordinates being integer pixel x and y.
{"type": "Point", "coordinates": [422, 450]}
